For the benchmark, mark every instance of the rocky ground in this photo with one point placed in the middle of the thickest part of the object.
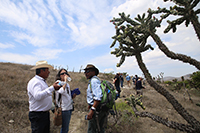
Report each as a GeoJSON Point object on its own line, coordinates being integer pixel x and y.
{"type": "Point", "coordinates": [155, 103]}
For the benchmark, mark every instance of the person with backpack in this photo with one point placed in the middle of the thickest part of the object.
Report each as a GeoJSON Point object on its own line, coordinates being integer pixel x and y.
{"type": "Point", "coordinates": [95, 116]}
{"type": "Point", "coordinates": [139, 86]}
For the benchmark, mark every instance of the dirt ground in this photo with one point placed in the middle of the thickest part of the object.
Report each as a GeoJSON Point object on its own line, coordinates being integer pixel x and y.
{"type": "Point", "coordinates": [154, 103]}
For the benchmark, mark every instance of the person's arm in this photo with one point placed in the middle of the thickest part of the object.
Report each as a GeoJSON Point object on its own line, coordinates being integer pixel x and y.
{"type": "Point", "coordinates": [92, 110]}
{"type": "Point", "coordinates": [39, 94]}
{"type": "Point", "coordinates": [97, 95]}
{"type": "Point", "coordinates": [65, 80]}
{"type": "Point", "coordinates": [114, 80]}
{"type": "Point", "coordinates": [74, 95]}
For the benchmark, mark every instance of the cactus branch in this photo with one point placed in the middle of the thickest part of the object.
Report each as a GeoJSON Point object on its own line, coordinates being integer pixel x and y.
{"type": "Point", "coordinates": [172, 55]}
{"type": "Point", "coordinates": [184, 9]}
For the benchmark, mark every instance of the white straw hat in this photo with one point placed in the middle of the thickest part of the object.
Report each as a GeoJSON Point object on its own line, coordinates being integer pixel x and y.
{"type": "Point", "coordinates": [42, 64]}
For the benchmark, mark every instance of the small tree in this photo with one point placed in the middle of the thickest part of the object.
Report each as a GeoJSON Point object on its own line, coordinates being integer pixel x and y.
{"type": "Point", "coordinates": [132, 39]}
{"type": "Point", "coordinates": [196, 79]}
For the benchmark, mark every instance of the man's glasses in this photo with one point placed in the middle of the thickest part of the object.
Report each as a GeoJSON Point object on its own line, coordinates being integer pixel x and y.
{"type": "Point", "coordinates": [64, 73]}
{"type": "Point", "coordinates": [87, 71]}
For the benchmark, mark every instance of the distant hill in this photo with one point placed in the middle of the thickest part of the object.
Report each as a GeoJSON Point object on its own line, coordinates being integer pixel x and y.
{"type": "Point", "coordinates": [169, 78]}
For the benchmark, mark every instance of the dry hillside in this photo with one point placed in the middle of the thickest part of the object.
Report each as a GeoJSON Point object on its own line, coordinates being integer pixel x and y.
{"type": "Point", "coordinates": [14, 104]}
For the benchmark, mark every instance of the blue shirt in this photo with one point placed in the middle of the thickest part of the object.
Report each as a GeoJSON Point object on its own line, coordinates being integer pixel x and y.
{"type": "Point", "coordinates": [95, 92]}
{"type": "Point", "coordinates": [128, 78]}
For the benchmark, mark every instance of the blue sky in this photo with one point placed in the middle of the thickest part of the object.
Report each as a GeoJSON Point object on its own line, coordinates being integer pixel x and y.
{"type": "Point", "coordinates": [74, 33]}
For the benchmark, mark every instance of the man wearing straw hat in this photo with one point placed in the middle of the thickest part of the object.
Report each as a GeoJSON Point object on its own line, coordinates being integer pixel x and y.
{"type": "Point", "coordinates": [40, 98]}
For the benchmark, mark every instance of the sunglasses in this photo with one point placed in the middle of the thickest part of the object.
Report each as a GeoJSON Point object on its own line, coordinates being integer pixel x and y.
{"type": "Point", "coordinates": [64, 73]}
{"type": "Point", "coordinates": [87, 71]}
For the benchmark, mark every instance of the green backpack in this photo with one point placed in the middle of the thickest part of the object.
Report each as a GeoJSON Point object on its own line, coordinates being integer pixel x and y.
{"type": "Point", "coordinates": [109, 95]}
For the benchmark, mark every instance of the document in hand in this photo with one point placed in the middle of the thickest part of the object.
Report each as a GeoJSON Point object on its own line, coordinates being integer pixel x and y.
{"type": "Point", "coordinates": [76, 91]}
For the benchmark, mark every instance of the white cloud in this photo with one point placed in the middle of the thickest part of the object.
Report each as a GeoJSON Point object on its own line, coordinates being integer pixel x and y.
{"type": "Point", "coordinates": [135, 7]}
{"type": "Point", "coordinates": [31, 39]}
{"type": "Point", "coordinates": [90, 26]}
{"type": "Point", "coordinates": [108, 70]}
{"type": "Point", "coordinates": [104, 61]}
{"type": "Point", "coordinates": [5, 46]}
{"type": "Point", "coordinates": [33, 19]}
{"type": "Point", "coordinates": [18, 58]}
{"type": "Point", "coordinates": [47, 53]}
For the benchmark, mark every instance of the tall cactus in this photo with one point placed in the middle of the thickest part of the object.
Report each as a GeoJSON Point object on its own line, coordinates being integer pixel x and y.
{"type": "Point", "coordinates": [132, 40]}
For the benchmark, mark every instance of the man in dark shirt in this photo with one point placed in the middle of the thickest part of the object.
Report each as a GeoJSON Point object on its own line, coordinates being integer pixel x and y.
{"type": "Point", "coordinates": [116, 81]}
{"type": "Point", "coordinates": [139, 86]}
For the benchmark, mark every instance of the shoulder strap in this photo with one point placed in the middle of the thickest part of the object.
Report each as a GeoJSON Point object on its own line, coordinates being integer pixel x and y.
{"type": "Point", "coordinates": [91, 89]}
{"type": "Point", "coordinates": [91, 85]}
{"type": "Point", "coordinates": [54, 97]}
{"type": "Point", "coordinates": [59, 97]}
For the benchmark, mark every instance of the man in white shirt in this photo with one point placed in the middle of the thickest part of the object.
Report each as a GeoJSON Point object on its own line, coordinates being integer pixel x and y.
{"type": "Point", "coordinates": [40, 98]}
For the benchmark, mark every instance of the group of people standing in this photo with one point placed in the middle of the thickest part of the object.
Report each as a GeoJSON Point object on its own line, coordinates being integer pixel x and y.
{"type": "Point", "coordinates": [40, 99]}
{"type": "Point", "coordinates": [137, 83]}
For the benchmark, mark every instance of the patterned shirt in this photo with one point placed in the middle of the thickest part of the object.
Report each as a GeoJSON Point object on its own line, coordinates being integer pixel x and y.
{"type": "Point", "coordinates": [95, 92]}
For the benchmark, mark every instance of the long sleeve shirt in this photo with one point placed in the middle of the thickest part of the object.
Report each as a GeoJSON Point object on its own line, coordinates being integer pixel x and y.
{"type": "Point", "coordinates": [94, 91]}
{"type": "Point", "coordinates": [40, 95]}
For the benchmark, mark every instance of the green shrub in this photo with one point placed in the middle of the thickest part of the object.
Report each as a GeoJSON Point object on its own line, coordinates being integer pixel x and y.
{"type": "Point", "coordinates": [122, 106]}
{"type": "Point", "coordinates": [168, 82]}
{"type": "Point", "coordinates": [196, 79]}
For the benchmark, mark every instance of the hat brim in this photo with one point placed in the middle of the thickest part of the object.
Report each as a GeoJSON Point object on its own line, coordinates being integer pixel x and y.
{"type": "Point", "coordinates": [94, 68]}
{"type": "Point", "coordinates": [42, 66]}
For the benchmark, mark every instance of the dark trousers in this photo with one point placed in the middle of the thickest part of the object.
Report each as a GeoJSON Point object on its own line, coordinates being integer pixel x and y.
{"type": "Point", "coordinates": [40, 122]}
{"type": "Point", "coordinates": [119, 90]}
{"type": "Point", "coordinates": [92, 124]}
{"type": "Point", "coordinates": [122, 83]}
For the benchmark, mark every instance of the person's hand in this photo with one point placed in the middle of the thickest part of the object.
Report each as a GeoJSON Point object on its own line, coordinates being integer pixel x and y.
{"type": "Point", "coordinates": [56, 86]}
{"type": "Point", "coordinates": [65, 78]}
{"type": "Point", "coordinates": [90, 114]}
{"type": "Point", "coordinates": [74, 95]}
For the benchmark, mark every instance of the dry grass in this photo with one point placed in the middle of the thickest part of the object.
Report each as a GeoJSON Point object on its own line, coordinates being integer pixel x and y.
{"type": "Point", "coordinates": [14, 104]}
